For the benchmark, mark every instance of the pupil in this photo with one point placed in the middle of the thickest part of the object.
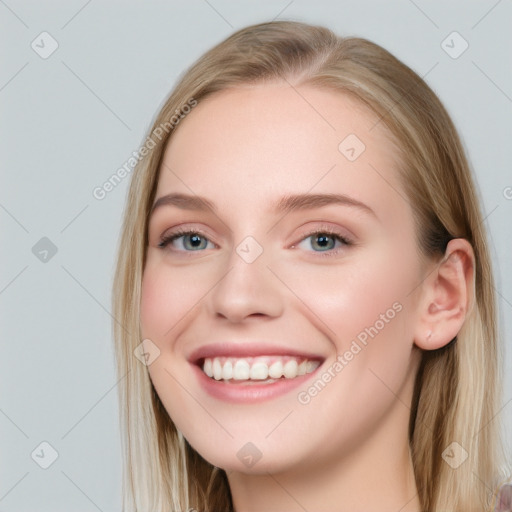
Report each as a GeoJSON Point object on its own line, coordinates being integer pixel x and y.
{"type": "Point", "coordinates": [323, 240]}
{"type": "Point", "coordinates": [195, 240]}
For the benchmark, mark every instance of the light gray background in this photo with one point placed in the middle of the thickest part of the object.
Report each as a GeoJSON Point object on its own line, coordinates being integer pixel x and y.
{"type": "Point", "coordinates": [70, 121]}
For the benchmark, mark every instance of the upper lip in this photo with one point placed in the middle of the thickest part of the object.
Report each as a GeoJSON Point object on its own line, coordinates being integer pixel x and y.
{"type": "Point", "coordinates": [247, 349]}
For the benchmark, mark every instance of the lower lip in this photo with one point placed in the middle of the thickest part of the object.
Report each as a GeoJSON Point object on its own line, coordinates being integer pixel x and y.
{"type": "Point", "coordinates": [249, 393]}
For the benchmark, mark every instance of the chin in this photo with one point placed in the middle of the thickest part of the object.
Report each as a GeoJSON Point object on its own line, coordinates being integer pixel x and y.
{"type": "Point", "coordinates": [249, 458]}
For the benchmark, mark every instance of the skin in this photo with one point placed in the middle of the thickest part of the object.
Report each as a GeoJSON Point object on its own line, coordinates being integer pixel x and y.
{"type": "Point", "coordinates": [243, 149]}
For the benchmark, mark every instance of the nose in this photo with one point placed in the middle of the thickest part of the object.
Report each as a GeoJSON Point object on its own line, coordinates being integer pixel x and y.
{"type": "Point", "coordinates": [246, 289]}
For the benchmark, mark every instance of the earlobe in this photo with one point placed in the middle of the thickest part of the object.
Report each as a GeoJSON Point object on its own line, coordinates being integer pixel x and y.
{"type": "Point", "coordinates": [448, 296]}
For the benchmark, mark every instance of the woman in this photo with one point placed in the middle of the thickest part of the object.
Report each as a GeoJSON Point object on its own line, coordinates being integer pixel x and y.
{"type": "Point", "coordinates": [305, 291]}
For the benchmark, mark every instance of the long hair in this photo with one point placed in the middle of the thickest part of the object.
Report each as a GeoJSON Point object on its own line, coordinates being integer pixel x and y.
{"type": "Point", "coordinates": [458, 387]}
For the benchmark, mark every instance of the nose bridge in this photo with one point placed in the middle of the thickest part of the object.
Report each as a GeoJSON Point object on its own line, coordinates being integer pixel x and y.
{"type": "Point", "coordinates": [247, 287]}
{"type": "Point", "coordinates": [249, 250]}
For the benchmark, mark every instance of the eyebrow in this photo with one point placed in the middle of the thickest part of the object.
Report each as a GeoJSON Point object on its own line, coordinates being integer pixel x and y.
{"type": "Point", "coordinates": [286, 204]}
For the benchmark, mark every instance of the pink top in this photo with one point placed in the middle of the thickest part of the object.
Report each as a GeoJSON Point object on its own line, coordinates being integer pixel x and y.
{"type": "Point", "coordinates": [504, 499]}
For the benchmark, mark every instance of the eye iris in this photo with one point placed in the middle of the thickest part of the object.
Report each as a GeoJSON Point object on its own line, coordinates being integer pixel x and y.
{"type": "Point", "coordinates": [324, 238]}
{"type": "Point", "coordinates": [196, 240]}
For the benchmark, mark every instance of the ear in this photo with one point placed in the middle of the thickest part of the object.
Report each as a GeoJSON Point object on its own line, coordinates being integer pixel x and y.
{"type": "Point", "coordinates": [447, 296]}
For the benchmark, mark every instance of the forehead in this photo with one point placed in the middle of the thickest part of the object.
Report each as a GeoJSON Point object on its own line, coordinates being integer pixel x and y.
{"type": "Point", "coordinates": [246, 147]}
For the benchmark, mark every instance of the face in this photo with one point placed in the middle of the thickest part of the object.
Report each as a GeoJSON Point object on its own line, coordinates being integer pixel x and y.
{"type": "Point", "coordinates": [300, 260]}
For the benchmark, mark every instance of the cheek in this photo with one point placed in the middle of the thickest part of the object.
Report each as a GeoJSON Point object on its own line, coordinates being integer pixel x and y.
{"type": "Point", "coordinates": [365, 309]}
{"type": "Point", "coordinates": [346, 299]}
{"type": "Point", "coordinates": [165, 299]}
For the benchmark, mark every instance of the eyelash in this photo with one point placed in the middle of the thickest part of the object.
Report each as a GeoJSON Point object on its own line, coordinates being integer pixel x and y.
{"type": "Point", "coordinates": [332, 233]}
{"type": "Point", "coordinates": [178, 233]}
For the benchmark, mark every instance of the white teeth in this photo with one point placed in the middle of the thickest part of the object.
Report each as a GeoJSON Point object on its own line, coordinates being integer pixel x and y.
{"type": "Point", "coordinates": [290, 369]}
{"type": "Point", "coordinates": [227, 370]}
{"type": "Point", "coordinates": [262, 368]}
{"type": "Point", "coordinates": [241, 370]}
{"type": "Point", "coordinates": [311, 366]}
{"type": "Point", "coordinates": [259, 371]}
{"type": "Point", "coordinates": [276, 370]}
{"type": "Point", "coordinates": [207, 368]}
{"type": "Point", "coordinates": [217, 369]}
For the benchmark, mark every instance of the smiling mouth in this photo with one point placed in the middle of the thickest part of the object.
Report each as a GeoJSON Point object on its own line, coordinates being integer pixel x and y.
{"type": "Point", "coordinates": [260, 369]}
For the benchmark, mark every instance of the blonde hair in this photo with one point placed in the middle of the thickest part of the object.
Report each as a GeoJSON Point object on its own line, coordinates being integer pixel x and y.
{"type": "Point", "coordinates": [458, 387]}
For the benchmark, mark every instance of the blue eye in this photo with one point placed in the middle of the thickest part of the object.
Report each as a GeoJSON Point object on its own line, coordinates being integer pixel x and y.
{"type": "Point", "coordinates": [325, 240]}
{"type": "Point", "coordinates": [192, 240]}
